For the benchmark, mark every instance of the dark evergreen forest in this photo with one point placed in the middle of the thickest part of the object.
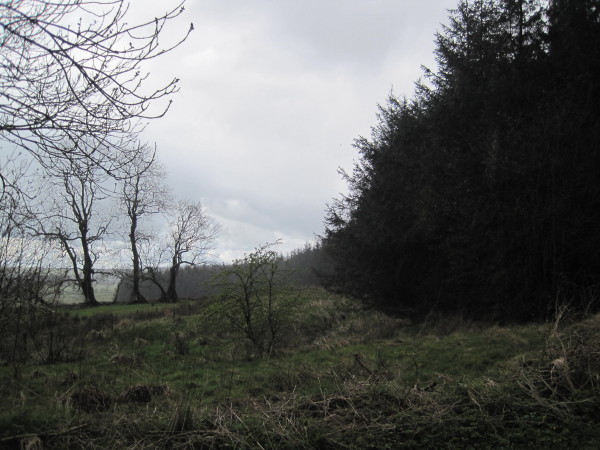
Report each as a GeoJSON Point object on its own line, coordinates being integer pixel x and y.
{"type": "Point", "coordinates": [480, 195]}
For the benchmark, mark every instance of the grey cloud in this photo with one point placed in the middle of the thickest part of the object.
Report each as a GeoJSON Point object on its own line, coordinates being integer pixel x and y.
{"type": "Point", "coordinates": [273, 93]}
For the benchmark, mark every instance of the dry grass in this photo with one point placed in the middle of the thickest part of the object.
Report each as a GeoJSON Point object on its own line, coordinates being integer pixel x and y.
{"type": "Point", "coordinates": [356, 379]}
{"type": "Point", "coordinates": [565, 376]}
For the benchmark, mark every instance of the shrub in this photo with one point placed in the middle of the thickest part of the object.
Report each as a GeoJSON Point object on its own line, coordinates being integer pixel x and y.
{"type": "Point", "coordinates": [255, 300]}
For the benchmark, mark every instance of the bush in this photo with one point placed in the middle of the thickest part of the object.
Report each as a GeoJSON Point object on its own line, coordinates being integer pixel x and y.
{"type": "Point", "coordinates": [255, 300]}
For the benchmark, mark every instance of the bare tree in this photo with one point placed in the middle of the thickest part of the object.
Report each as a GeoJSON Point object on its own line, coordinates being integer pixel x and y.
{"type": "Point", "coordinates": [192, 235]}
{"type": "Point", "coordinates": [28, 282]}
{"type": "Point", "coordinates": [70, 68]}
{"type": "Point", "coordinates": [71, 218]}
{"type": "Point", "coordinates": [154, 255]}
{"type": "Point", "coordinates": [143, 193]}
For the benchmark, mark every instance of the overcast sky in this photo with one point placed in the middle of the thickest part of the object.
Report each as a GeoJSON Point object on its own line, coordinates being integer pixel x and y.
{"type": "Point", "coordinates": [273, 93]}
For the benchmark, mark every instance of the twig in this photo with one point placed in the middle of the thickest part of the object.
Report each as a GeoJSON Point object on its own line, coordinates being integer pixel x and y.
{"type": "Point", "coordinates": [53, 433]}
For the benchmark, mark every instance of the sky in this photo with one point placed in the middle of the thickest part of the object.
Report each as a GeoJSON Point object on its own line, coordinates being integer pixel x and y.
{"type": "Point", "coordinates": [272, 95]}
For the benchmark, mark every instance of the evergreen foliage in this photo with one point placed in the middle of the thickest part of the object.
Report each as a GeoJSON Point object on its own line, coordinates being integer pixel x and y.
{"type": "Point", "coordinates": [480, 194]}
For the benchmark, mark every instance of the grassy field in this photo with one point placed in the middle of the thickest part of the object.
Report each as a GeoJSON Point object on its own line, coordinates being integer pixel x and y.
{"type": "Point", "coordinates": [105, 289]}
{"type": "Point", "coordinates": [177, 376]}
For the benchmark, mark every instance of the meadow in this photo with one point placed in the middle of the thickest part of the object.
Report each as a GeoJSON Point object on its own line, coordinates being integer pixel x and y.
{"type": "Point", "coordinates": [343, 375]}
{"type": "Point", "coordinates": [105, 289]}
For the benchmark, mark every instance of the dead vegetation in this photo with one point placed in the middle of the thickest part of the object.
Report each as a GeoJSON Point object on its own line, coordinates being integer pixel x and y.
{"type": "Point", "coordinates": [142, 393]}
{"type": "Point", "coordinates": [342, 386]}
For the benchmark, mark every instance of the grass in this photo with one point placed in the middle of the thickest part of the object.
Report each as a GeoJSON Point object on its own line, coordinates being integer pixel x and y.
{"type": "Point", "coordinates": [343, 377]}
{"type": "Point", "coordinates": [104, 290]}
{"type": "Point", "coordinates": [123, 310]}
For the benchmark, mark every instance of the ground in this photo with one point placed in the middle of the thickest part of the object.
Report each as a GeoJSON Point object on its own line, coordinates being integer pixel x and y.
{"type": "Point", "coordinates": [342, 376]}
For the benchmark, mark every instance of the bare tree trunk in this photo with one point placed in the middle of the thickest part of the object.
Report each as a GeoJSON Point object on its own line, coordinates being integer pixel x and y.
{"type": "Point", "coordinates": [172, 289]}
{"type": "Point", "coordinates": [163, 293]}
{"type": "Point", "coordinates": [136, 295]}
{"type": "Point", "coordinates": [86, 283]}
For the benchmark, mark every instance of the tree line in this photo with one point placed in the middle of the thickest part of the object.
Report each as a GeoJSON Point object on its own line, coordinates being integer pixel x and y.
{"type": "Point", "coordinates": [303, 267]}
{"type": "Point", "coordinates": [479, 195]}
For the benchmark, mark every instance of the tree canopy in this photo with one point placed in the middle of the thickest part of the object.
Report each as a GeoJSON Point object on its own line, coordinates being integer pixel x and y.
{"type": "Point", "coordinates": [480, 195]}
{"type": "Point", "coordinates": [74, 95]}
{"type": "Point", "coordinates": [75, 68]}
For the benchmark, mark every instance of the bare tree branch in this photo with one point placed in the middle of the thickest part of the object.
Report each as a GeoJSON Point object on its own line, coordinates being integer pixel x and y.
{"type": "Point", "coordinates": [69, 216]}
{"type": "Point", "coordinates": [192, 235]}
{"type": "Point", "coordinates": [143, 193]}
{"type": "Point", "coordinates": [70, 68]}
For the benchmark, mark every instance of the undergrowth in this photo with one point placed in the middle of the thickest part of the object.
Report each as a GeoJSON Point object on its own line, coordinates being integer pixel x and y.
{"type": "Point", "coordinates": [344, 377]}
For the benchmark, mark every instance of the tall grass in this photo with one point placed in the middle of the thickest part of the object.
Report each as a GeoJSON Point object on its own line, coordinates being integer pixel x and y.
{"type": "Point", "coordinates": [345, 377]}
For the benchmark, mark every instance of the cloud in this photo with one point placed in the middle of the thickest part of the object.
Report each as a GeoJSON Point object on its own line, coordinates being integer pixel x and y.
{"type": "Point", "coordinates": [273, 93]}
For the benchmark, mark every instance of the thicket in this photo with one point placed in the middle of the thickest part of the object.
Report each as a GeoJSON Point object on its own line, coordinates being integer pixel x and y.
{"type": "Point", "coordinates": [480, 194]}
